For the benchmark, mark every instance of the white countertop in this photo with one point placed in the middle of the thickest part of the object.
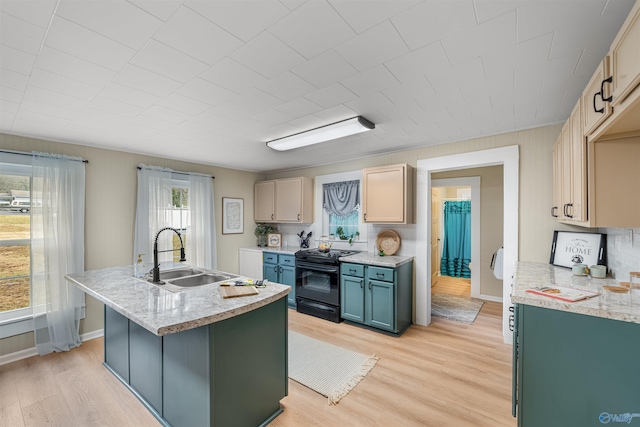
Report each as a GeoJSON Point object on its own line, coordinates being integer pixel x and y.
{"type": "Point", "coordinates": [535, 275]}
{"type": "Point", "coordinates": [164, 312]}
{"type": "Point", "coordinates": [376, 260]}
{"type": "Point", "coordinates": [291, 250]}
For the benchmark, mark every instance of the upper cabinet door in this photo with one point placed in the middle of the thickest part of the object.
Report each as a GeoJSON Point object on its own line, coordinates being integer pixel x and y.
{"type": "Point", "coordinates": [388, 194]}
{"type": "Point", "coordinates": [578, 167]}
{"type": "Point", "coordinates": [595, 108]}
{"type": "Point", "coordinates": [289, 199]}
{"type": "Point", "coordinates": [625, 58]}
{"type": "Point", "coordinates": [263, 201]}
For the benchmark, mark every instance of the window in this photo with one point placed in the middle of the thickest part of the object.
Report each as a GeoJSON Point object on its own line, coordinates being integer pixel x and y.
{"type": "Point", "coordinates": [15, 245]}
{"type": "Point", "coordinates": [350, 223]}
{"type": "Point", "coordinates": [180, 213]}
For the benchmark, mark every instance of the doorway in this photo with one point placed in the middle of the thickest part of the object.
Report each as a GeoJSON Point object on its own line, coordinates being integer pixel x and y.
{"type": "Point", "coordinates": [508, 157]}
{"type": "Point", "coordinates": [473, 182]}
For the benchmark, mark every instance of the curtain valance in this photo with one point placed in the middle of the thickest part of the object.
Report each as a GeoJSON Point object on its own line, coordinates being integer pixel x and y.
{"type": "Point", "coordinates": [341, 198]}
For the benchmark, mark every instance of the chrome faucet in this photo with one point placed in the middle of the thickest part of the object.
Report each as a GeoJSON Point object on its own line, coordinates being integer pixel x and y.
{"type": "Point", "coordinates": [156, 264]}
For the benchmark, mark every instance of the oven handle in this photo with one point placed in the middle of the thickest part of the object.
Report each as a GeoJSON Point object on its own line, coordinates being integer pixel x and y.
{"type": "Point", "coordinates": [317, 267]}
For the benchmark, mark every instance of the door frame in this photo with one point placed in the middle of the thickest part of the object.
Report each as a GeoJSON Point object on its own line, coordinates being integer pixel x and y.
{"type": "Point", "coordinates": [474, 183]}
{"type": "Point", "coordinates": [508, 157]}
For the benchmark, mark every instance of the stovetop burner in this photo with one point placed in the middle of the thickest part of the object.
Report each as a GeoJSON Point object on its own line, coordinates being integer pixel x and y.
{"type": "Point", "coordinates": [317, 253]}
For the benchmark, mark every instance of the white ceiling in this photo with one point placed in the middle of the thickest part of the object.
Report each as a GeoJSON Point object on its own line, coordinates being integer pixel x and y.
{"type": "Point", "coordinates": [210, 81]}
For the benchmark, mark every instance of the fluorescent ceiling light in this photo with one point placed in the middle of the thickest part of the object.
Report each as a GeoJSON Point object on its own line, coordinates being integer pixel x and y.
{"type": "Point", "coordinates": [325, 133]}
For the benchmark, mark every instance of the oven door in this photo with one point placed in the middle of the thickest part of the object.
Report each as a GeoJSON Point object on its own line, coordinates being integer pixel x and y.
{"type": "Point", "coordinates": [318, 282]}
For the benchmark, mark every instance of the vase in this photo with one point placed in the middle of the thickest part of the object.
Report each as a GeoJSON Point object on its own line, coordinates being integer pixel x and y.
{"type": "Point", "coordinates": [261, 240]}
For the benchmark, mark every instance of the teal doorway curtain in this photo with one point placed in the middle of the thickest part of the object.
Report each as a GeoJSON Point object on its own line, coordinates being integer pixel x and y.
{"type": "Point", "coordinates": [456, 249]}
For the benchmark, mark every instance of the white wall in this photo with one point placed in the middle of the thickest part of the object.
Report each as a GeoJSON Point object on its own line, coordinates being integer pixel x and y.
{"type": "Point", "coordinates": [623, 251]}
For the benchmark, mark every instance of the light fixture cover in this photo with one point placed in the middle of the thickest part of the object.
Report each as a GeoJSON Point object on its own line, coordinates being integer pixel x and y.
{"type": "Point", "coordinates": [325, 133]}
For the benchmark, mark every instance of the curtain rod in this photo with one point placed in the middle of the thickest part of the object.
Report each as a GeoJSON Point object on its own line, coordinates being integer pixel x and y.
{"type": "Point", "coordinates": [183, 173]}
{"type": "Point", "coordinates": [24, 153]}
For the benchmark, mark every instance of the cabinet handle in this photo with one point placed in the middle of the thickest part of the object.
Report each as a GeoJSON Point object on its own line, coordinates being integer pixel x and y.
{"type": "Point", "coordinates": [280, 269]}
{"type": "Point", "coordinates": [568, 215]}
{"type": "Point", "coordinates": [298, 217]}
{"type": "Point", "coordinates": [352, 271]}
{"type": "Point", "coordinates": [380, 275]}
{"type": "Point", "coordinates": [271, 216]}
{"type": "Point", "coordinates": [552, 212]}
{"type": "Point", "coordinates": [361, 283]}
{"type": "Point", "coordinates": [609, 80]}
{"type": "Point", "coordinates": [369, 284]}
{"type": "Point", "coordinates": [275, 269]}
{"type": "Point", "coordinates": [364, 216]}
{"type": "Point", "coordinates": [595, 95]}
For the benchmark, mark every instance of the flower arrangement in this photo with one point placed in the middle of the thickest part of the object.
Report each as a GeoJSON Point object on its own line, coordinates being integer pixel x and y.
{"type": "Point", "coordinates": [261, 232]}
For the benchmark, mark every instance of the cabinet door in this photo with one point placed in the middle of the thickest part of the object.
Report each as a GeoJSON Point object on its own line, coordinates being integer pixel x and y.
{"type": "Point", "coordinates": [250, 263]}
{"type": "Point", "coordinates": [380, 305]}
{"type": "Point", "coordinates": [289, 199]}
{"type": "Point", "coordinates": [565, 204]}
{"type": "Point", "coordinates": [595, 110]}
{"type": "Point", "coordinates": [556, 209]}
{"type": "Point", "coordinates": [288, 277]}
{"type": "Point", "coordinates": [352, 298]}
{"type": "Point", "coordinates": [625, 58]}
{"type": "Point", "coordinates": [578, 167]}
{"type": "Point", "coordinates": [270, 272]}
{"type": "Point", "coordinates": [384, 198]}
{"type": "Point", "coordinates": [263, 201]}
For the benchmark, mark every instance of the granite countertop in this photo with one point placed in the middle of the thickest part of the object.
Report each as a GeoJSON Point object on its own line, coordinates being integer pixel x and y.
{"type": "Point", "coordinates": [380, 261]}
{"type": "Point", "coordinates": [535, 275]}
{"type": "Point", "coordinates": [291, 250]}
{"type": "Point", "coordinates": [164, 312]}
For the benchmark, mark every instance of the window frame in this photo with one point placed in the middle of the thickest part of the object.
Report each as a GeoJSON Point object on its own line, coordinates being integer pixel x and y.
{"type": "Point", "coordinates": [322, 217]}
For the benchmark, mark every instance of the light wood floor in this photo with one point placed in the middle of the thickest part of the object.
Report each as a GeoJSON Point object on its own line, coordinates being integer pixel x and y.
{"type": "Point", "coordinates": [453, 286]}
{"type": "Point", "coordinates": [446, 374]}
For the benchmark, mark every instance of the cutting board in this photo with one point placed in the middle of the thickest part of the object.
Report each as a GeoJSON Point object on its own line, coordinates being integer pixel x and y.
{"type": "Point", "coordinates": [237, 291]}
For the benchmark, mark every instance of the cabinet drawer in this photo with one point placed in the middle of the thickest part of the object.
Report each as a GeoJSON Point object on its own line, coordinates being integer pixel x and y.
{"type": "Point", "coordinates": [379, 273]}
{"type": "Point", "coordinates": [270, 258]}
{"type": "Point", "coordinates": [287, 260]}
{"type": "Point", "coordinates": [352, 269]}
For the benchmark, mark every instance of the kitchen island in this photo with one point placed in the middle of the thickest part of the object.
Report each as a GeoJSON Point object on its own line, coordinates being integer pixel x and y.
{"type": "Point", "coordinates": [192, 357]}
{"type": "Point", "coordinates": [574, 363]}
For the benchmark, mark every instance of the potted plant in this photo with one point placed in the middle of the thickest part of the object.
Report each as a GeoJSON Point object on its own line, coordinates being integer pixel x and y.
{"type": "Point", "coordinates": [261, 233]}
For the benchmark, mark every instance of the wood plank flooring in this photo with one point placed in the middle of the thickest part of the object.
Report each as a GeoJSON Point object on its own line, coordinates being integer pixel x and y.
{"type": "Point", "coordinates": [452, 286]}
{"type": "Point", "coordinates": [446, 374]}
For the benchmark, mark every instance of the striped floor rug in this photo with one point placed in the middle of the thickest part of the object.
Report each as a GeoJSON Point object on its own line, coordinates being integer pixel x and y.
{"type": "Point", "coordinates": [325, 368]}
{"type": "Point", "coordinates": [459, 309]}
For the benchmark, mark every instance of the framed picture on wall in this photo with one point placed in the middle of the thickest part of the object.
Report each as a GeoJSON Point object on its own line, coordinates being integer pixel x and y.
{"type": "Point", "coordinates": [570, 248]}
{"type": "Point", "coordinates": [232, 215]}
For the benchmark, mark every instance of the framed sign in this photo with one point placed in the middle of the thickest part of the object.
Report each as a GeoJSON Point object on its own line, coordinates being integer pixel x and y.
{"type": "Point", "coordinates": [232, 215]}
{"type": "Point", "coordinates": [274, 240]}
{"type": "Point", "coordinates": [570, 248]}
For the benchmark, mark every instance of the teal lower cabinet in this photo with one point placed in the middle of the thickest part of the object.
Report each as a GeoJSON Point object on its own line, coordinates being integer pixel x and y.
{"type": "Point", "coordinates": [574, 370]}
{"type": "Point", "coordinates": [281, 268]}
{"type": "Point", "coordinates": [379, 297]}
{"type": "Point", "coordinates": [229, 373]}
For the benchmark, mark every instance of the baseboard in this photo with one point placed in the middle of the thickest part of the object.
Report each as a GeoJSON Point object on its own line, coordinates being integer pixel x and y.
{"type": "Point", "coordinates": [30, 352]}
{"type": "Point", "coordinates": [491, 298]}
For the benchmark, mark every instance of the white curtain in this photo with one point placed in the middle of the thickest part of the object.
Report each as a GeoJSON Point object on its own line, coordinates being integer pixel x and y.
{"type": "Point", "coordinates": [153, 213]}
{"type": "Point", "coordinates": [57, 246]}
{"type": "Point", "coordinates": [201, 234]}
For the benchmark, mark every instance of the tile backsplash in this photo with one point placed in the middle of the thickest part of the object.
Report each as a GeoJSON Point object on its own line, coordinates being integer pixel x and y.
{"type": "Point", "coordinates": [623, 251]}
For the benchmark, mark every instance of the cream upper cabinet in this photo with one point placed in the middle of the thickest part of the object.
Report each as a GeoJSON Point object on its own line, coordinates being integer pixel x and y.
{"type": "Point", "coordinates": [294, 200]}
{"type": "Point", "coordinates": [570, 172]}
{"type": "Point", "coordinates": [284, 200]}
{"type": "Point", "coordinates": [264, 201]}
{"type": "Point", "coordinates": [625, 58]}
{"type": "Point", "coordinates": [595, 106]}
{"type": "Point", "coordinates": [388, 194]}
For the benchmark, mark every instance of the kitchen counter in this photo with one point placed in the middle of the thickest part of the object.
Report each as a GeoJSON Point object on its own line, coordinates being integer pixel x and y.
{"type": "Point", "coordinates": [380, 261]}
{"type": "Point", "coordinates": [192, 357]}
{"type": "Point", "coordinates": [574, 364]}
{"type": "Point", "coordinates": [164, 312]}
{"type": "Point", "coordinates": [291, 250]}
{"type": "Point", "coordinates": [534, 275]}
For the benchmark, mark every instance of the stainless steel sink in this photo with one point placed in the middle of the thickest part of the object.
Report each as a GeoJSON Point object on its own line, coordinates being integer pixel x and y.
{"type": "Point", "coordinates": [201, 279]}
{"type": "Point", "coordinates": [180, 272]}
